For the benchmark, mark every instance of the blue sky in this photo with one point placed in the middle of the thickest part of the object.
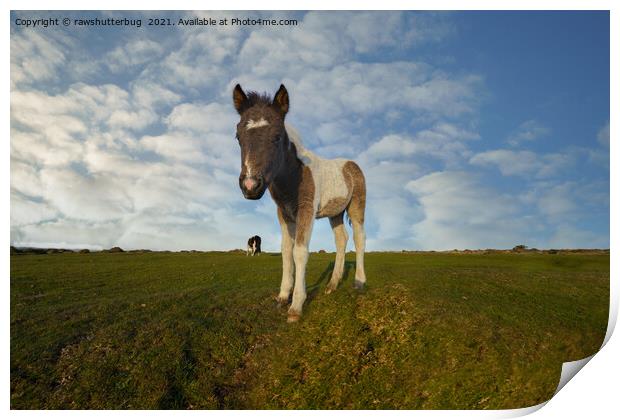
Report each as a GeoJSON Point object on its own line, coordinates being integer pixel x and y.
{"type": "Point", "coordinates": [474, 129]}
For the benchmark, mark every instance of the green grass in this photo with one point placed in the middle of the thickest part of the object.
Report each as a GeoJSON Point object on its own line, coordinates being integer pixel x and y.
{"type": "Point", "coordinates": [202, 330]}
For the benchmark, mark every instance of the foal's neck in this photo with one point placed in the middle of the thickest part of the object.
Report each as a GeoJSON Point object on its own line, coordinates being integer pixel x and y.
{"type": "Point", "coordinates": [285, 186]}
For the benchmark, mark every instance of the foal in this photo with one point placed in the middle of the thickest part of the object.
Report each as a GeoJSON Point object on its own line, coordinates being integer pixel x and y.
{"type": "Point", "coordinates": [304, 186]}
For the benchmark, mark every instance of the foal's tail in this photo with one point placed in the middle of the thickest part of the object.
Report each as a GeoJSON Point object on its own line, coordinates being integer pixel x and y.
{"type": "Point", "coordinates": [357, 205]}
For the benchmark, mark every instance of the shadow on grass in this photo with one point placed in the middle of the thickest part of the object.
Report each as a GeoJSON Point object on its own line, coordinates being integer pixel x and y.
{"type": "Point", "coordinates": [313, 290]}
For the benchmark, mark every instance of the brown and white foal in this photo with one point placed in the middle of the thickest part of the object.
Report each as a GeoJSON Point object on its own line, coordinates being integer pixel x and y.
{"type": "Point", "coordinates": [304, 186]}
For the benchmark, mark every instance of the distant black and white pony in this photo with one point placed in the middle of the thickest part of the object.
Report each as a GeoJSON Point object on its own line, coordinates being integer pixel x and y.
{"type": "Point", "coordinates": [253, 246]}
{"type": "Point", "coordinates": [303, 185]}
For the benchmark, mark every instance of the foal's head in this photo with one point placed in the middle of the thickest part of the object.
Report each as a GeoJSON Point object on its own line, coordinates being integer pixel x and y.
{"type": "Point", "coordinates": [262, 138]}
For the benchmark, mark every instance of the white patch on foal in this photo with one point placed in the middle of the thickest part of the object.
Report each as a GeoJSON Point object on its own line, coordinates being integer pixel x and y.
{"type": "Point", "coordinates": [256, 124]}
{"type": "Point", "coordinates": [248, 168]}
{"type": "Point", "coordinates": [329, 182]}
{"type": "Point", "coordinates": [250, 125]}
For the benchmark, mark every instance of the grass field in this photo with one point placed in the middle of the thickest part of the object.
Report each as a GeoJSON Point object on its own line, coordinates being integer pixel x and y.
{"type": "Point", "coordinates": [202, 330]}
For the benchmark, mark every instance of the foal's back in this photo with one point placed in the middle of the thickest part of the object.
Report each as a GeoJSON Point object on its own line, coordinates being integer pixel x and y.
{"type": "Point", "coordinates": [333, 181]}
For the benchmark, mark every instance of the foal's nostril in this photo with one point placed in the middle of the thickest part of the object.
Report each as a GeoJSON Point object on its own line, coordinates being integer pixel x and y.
{"type": "Point", "coordinates": [250, 184]}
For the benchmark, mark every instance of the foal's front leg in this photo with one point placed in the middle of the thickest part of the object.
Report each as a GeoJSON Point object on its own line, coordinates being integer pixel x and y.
{"type": "Point", "coordinates": [305, 221]}
{"type": "Point", "coordinates": [288, 239]}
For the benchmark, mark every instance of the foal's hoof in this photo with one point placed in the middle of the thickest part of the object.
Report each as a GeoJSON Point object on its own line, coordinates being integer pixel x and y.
{"type": "Point", "coordinates": [359, 285]}
{"type": "Point", "coordinates": [280, 302]}
{"type": "Point", "coordinates": [293, 317]}
{"type": "Point", "coordinates": [329, 289]}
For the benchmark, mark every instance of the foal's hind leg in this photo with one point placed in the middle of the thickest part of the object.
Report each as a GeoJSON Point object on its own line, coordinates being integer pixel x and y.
{"type": "Point", "coordinates": [359, 237]}
{"type": "Point", "coordinates": [341, 237]}
{"type": "Point", "coordinates": [356, 210]}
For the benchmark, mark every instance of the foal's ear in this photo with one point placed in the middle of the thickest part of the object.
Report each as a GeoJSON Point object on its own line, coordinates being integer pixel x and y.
{"type": "Point", "coordinates": [280, 100]}
{"type": "Point", "coordinates": [239, 99]}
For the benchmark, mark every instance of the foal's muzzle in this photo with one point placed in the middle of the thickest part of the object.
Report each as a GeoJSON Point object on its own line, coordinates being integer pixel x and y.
{"type": "Point", "coordinates": [253, 188]}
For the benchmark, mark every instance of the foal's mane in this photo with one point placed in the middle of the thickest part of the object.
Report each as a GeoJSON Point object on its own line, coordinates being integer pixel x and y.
{"type": "Point", "coordinates": [255, 98]}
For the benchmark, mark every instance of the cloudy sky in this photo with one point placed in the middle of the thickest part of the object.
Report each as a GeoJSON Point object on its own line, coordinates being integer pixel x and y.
{"type": "Point", "coordinates": [474, 129]}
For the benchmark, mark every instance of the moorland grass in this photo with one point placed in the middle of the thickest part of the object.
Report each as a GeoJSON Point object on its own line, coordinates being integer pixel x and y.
{"type": "Point", "coordinates": [202, 330]}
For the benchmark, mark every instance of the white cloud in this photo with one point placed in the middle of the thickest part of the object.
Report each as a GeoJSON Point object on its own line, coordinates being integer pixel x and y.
{"type": "Point", "coordinates": [80, 107]}
{"type": "Point", "coordinates": [175, 146]}
{"type": "Point", "coordinates": [135, 53]}
{"type": "Point", "coordinates": [58, 130]}
{"type": "Point", "coordinates": [557, 201]}
{"type": "Point", "coordinates": [372, 30]}
{"type": "Point", "coordinates": [603, 135]}
{"type": "Point", "coordinates": [105, 153]}
{"type": "Point", "coordinates": [67, 233]}
{"type": "Point", "coordinates": [373, 88]}
{"type": "Point", "coordinates": [25, 178]}
{"type": "Point", "coordinates": [35, 57]}
{"type": "Point", "coordinates": [94, 198]}
{"type": "Point", "coordinates": [569, 236]}
{"type": "Point", "coordinates": [149, 94]}
{"type": "Point", "coordinates": [198, 60]}
{"type": "Point", "coordinates": [528, 131]}
{"type": "Point", "coordinates": [89, 128]}
{"type": "Point", "coordinates": [325, 39]}
{"type": "Point", "coordinates": [569, 201]}
{"type": "Point", "coordinates": [51, 149]}
{"type": "Point", "coordinates": [135, 120]}
{"type": "Point", "coordinates": [394, 217]}
{"type": "Point", "coordinates": [26, 212]}
{"type": "Point", "coordinates": [599, 156]}
{"type": "Point", "coordinates": [202, 133]}
{"type": "Point", "coordinates": [390, 165]}
{"type": "Point", "coordinates": [442, 141]}
{"type": "Point", "coordinates": [524, 163]}
{"type": "Point", "coordinates": [456, 196]}
{"type": "Point", "coordinates": [389, 211]}
{"type": "Point", "coordinates": [459, 212]}
{"type": "Point", "coordinates": [203, 118]}
{"type": "Point", "coordinates": [390, 146]}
